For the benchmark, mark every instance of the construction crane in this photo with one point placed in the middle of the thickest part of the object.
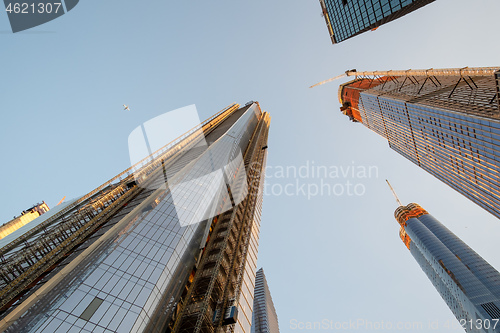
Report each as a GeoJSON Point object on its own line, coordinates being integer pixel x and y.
{"type": "Point", "coordinates": [332, 79]}
{"type": "Point", "coordinates": [466, 71]}
{"type": "Point", "coordinates": [394, 193]}
{"type": "Point", "coordinates": [61, 201]}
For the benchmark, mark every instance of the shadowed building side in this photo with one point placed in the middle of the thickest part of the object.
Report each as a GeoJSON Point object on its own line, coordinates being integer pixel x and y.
{"type": "Point", "coordinates": [348, 18]}
{"type": "Point", "coordinates": [264, 319]}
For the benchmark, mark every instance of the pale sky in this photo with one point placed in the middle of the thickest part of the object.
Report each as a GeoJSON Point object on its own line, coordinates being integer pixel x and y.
{"type": "Point", "coordinates": [333, 258]}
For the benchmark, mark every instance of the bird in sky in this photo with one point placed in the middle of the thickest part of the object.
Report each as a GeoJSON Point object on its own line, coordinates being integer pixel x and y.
{"type": "Point", "coordinates": [126, 107]}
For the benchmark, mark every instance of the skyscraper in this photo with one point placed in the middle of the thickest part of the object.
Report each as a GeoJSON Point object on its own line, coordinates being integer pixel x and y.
{"type": "Point", "coordinates": [445, 121]}
{"type": "Point", "coordinates": [466, 282]}
{"type": "Point", "coordinates": [26, 217]}
{"type": "Point", "coordinates": [169, 244]}
{"type": "Point", "coordinates": [264, 319]}
{"type": "Point", "coordinates": [349, 18]}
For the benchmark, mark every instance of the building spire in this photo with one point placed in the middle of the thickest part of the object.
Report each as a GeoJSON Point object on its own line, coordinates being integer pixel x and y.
{"type": "Point", "coordinates": [394, 193]}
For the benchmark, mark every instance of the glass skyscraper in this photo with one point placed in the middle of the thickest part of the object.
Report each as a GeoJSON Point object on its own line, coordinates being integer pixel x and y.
{"type": "Point", "coordinates": [265, 319]}
{"type": "Point", "coordinates": [466, 282]}
{"type": "Point", "coordinates": [348, 18]}
{"type": "Point", "coordinates": [150, 250]}
{"type": "Point", "coordinates": [445, 121]}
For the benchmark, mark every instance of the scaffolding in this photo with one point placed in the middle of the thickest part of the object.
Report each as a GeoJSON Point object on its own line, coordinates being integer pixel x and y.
{"type": "Point", "coordinates": [465, 90]}
{"type": "Point", "coordinates": [29, 258]}
{"type": "Point", "coordinates": [217, 281]}
{"type": "Point", "coordinates": [465, 71]}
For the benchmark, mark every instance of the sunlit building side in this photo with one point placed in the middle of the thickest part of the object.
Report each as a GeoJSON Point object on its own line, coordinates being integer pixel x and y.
{"type": "Point", "coordinates": [26, 217]}
{"type": "Point", "coordinates": [446, 121]}
{"type": "Point", "coordinates": [123, 258]}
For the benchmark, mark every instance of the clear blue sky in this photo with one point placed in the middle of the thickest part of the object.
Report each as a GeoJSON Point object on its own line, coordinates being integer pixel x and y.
{"type": "Point", "coordinates": [337, 258]}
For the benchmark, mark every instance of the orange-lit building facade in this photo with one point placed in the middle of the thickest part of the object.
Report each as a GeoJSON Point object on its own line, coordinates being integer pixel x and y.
{"type": "Point", "coordinates": [447, 125]}
{"type": "Point", "coordinates": [26, 217]}
{"type": "Point", "coordinates": [466, 282]}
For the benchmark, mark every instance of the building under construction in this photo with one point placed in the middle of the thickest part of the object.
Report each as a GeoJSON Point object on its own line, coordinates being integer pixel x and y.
{"type": "Point", "coordinates": [131, 256]}
{"type": "Point", "coordinates": [446, 121]}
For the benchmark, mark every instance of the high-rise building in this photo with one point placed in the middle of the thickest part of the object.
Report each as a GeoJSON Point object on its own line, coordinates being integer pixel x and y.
{"type": "Point", "coordinates": [445, 121]}
{"type": "Point", "coordinates": [466, 282]}
{"type": "Point", "coordinates": [26, 217]}
{"type": "Point", "coordinates": [349, 18]}
{"type": "Point", "coordinates": [264, 319]}
{"type": "Point", "coordinates": [168, 245]}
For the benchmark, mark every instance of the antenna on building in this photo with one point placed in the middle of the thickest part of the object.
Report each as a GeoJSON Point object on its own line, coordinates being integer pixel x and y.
{"type": "Point", "coordinates": [394, 193]}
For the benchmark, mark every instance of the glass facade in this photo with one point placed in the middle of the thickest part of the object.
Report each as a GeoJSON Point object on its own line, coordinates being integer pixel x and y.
{"type": "Point", "coordinates": [449, 126]}
{"type": "Point", "coordinates": [128, 264]}
{"type": "Point", "coordinates": [221, 292]}
{"type": "Point", "coordinates": [466, 282]}
{"type": "Point", "coordinates": [246, 298]}
{"type": "Point", "coordinates": [265, 319]}
{"type": "Point", "coordinates": [348, 18]}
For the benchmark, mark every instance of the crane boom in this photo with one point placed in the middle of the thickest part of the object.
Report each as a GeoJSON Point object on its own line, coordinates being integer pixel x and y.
{"type": "Point", "coordinates": [329, 80]}
{"type": "Point", "coordinates": [60, 202]}
{"type": "Point", "coordinates": [394, 193]}
{"type": "Point", "coordinates": [466, 71]}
